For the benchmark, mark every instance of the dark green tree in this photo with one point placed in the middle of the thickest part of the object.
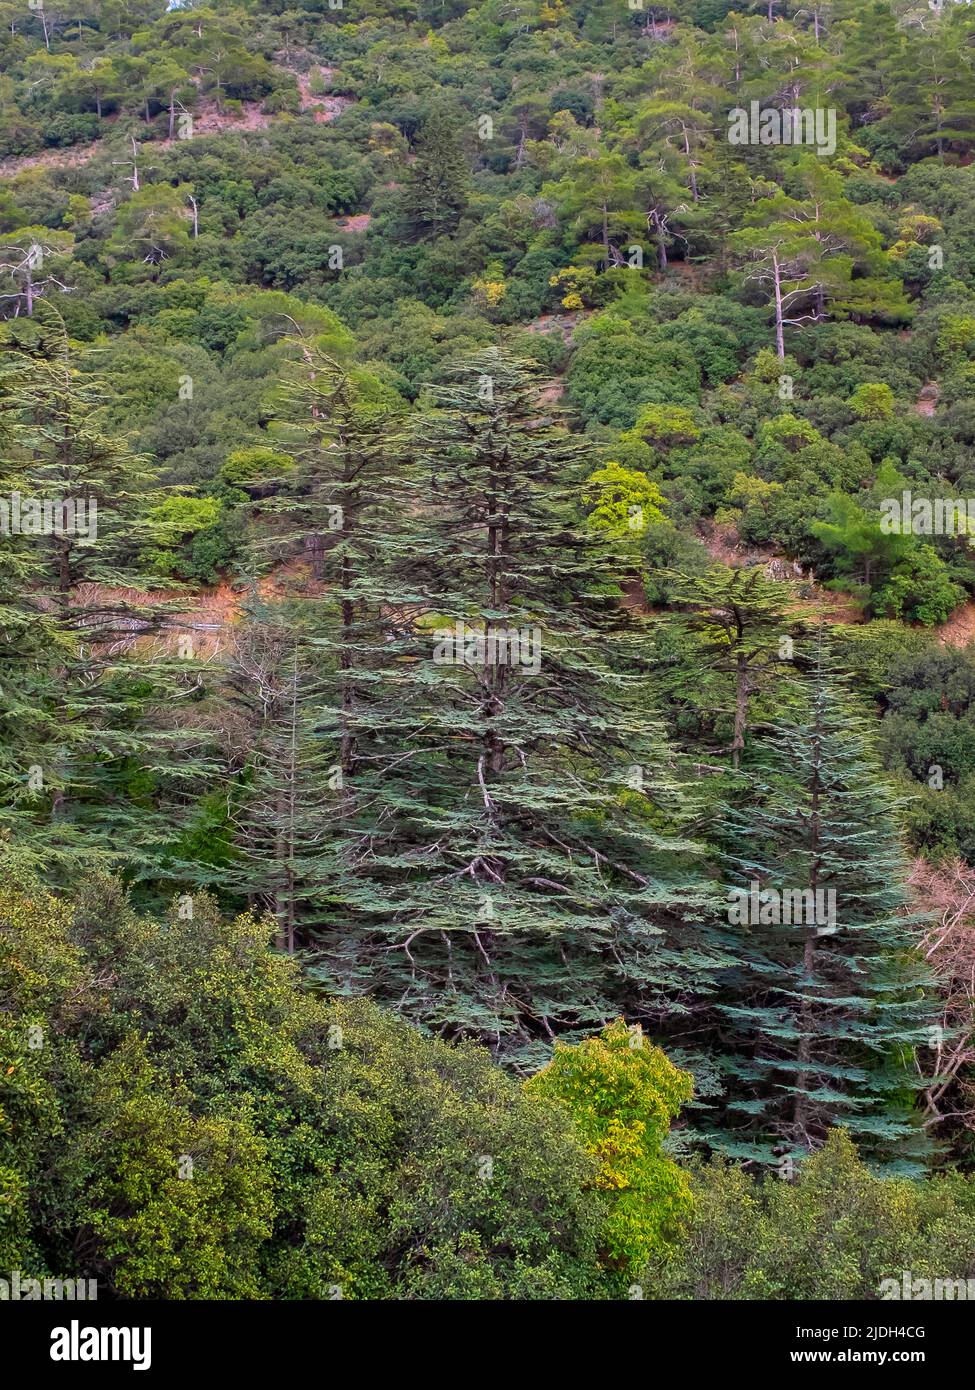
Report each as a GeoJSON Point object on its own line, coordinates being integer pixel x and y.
{"type": "Point", "coordinates": [744, 632]}
{"type": "Point", "coordinates": [512, 867]}
{"type": "Point", "coordinates": [95, 746]}
{"type": "Point", "coordinates": [821, 1017]}
{"type": "Point", "coordinates": [437, 184]}
{"type": "Point", "coordinates": [293, 778]}
{"type": "Point", "coordinates": [233, 1136]}
{"type": "Point", "coordinates": [302, 668]}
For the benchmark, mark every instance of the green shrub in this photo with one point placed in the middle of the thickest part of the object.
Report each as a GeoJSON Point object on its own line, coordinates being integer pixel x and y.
{"type": "Point", "coordinates": [623, 1093]}
{"type": "Point", "coordinates": [836, 1231]}
{"type": "Point", "coordinates": [233, 1136]}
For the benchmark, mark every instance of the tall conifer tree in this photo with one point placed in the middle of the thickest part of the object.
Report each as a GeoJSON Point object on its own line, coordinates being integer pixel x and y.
{"type": "Point", "coordinates": [95, 758]}
{"type": "Point", "coordinates": [821, 1015]}
{"type": "Point", "coordinates": [513, 866]}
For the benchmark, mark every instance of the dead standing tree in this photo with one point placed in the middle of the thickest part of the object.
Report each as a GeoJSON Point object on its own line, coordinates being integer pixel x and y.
{"type": "Point", "coordinates": [947, 893]}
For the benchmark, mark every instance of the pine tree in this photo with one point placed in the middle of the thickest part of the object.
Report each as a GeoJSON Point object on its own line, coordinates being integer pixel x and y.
{"type": "Point", "coordinates": [437, 185]}
{"type": "Point", "coordinates": [931, 97]}
{"type": "Point", "coordinates": [816, 254]}
{"type": "Point", "coordinates": [510, 868]}
{"type": "Point", "coordinates": [600, 197]}
{"type": "Point", "coordinates": [302, 668]}
{"type": "Point", "coordinates": [95, 749]}
{"type": "Point", "coordinates": [31, 645]}
{"type": "Point", "coordinates": [676, 123]}
{"type": "Point", "coordinates": [292, 780]}
{"type": "Point", "coordinates": [821, 1016]}
{"type": "Point", "coordinates": [744, 629]}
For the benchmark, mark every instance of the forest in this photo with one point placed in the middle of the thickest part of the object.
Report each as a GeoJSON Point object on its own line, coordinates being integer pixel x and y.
{"type": "Point", "coordinates": [487, 649]}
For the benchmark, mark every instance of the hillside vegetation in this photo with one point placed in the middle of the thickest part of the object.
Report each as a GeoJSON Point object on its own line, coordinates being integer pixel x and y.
{"type": "Point", "coordinates": [487, 706]}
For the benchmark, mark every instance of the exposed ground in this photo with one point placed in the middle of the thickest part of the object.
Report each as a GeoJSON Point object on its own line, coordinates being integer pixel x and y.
{"type": "Point", "coordinates": [959, 630]}
{"type": "Point", "coordinates": [208, 119]}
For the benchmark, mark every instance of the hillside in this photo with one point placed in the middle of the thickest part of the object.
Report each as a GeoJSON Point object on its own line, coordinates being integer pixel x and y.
{"type": "Point", "coordinates": [486, 567]}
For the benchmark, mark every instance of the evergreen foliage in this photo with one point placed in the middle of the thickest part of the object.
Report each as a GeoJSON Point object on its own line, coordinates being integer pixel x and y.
{"type": "Point", "coordinates": [486, 501]}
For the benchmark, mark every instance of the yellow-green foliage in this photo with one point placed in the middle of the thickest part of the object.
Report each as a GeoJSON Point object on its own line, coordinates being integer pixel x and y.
{"type": "Point", "coordinates": [179, 1203]}
{"type": "Point", "coordinates": [624, 1092]}
{"type": "Point", "coordinates": [957, 333]}
{"type": "Point", "coordinates": [577, 281]}
{"type": "Point", "coordinates": [665, 426]}
{"type": "Point", "coordinates": [30, 984]}
{"type": "Point", "coordinates": [873, 400]}
{"type": "Point", "coordinates": [622, 500]}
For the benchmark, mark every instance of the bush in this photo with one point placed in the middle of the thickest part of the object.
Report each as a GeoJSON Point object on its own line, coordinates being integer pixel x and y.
{"type": "Point", "coordinates": [920, 589]}
{"type": "Point", "coordinates": [19, 136]}
{"type": "Point", "coordinates": [836, 1232]}
{"type": "Point", "coordinates": [624, 1092]}
{"type": "Point", "coordinates": [232, 1136]}
{"type": "Point", "coordinates": [873, 401]}
{"type": "Point", "coordinates": [190, 540]}
{"type": "Point", "coordinates": [614, 373]}
{"type": "Point", "coordinates": [68, 128]}
{"type": "Point", "coordinates": [255, 465]}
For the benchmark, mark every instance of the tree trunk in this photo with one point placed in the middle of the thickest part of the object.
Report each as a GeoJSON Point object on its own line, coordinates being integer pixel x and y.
{"type": "Point", "coordinates": [741, 708]}
{"type": "Point", "coordinates": [690, 165]}
{"type": "Point", "coordinates": [779, 329]}
{"type": "Point", "coordinates": [347, 746]}
{"type": "Point", "coordinates": [520, 156]}
{"type": "Point", "coordinates": [804, 1051]}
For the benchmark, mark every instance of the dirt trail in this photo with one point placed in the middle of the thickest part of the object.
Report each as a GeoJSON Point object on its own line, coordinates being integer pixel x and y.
{"type": "Point", "coordinates": [205, 617]}
{"type": "Point", "coordinates": [927, 401]}
{"type": "Point", "coordinates": [722, 544]}
{"type": "Point", "coordinates": [959, 630]}
{"type": "Point", "coordinates": [325, 107]}
{"type": "Point", "coordinates": [550, 393]}
{"type": "Point", "coordinates": [48, 159]}
{"type": "Point", "coordinates": [207, 120]}
{"type": "Point", "coordinates": [564, 323]}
